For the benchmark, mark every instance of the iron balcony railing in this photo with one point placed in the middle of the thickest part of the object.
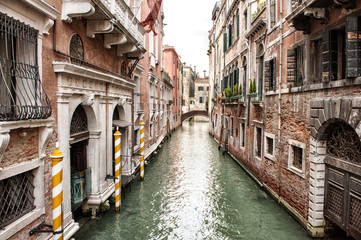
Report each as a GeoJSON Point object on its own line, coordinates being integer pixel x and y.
{"type": "Point", "coordinates": [22, 95]}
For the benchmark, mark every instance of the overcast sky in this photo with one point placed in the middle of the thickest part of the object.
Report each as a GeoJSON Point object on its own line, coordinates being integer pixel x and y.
{"type": "Point", "coordinates": [188, 23]}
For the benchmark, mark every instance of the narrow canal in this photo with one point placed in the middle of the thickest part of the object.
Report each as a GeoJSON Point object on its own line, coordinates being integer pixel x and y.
{"type": "Point", "coordinates": [192, 191]}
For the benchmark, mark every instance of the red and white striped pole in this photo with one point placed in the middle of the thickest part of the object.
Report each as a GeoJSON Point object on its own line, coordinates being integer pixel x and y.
{"type": "Point", "coordinates": [142, 150]}
{"type": "Point", "coordinates": [57, 192]}
{"type": "Point", "coordinates": [118, 169]}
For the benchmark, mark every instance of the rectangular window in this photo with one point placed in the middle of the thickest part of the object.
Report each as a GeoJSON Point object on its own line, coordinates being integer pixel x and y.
{"type": "Point", "coordinates": [269, 142]}
{"type": "Point", "coordinates": [22, 95]}
{"type": "Point", "coordinates": [243, 134]}
{"type": "Point", "coordinates": [296, 156]}
{"type": "Point", "coordinates": [207, 89]}
{"type": "Point", "coordinates": [237, 25]}
{"type": "Point", "coordinates": [200, 89]}
{"type": "Point", "coordinates": [334, 55]}
{"type": "Point", "coordinates": [231, 127]}
{"type": "Point", "coordinates": [269, 148]}
{"type": "Point", "coordinates": [151, 131]}
{"type": "Point", "coordinates": [258, 143]}
{"type": "Point", "coordinates": [135, 142]}
{"type": "Point", "coordinates": [230, 35]}
{"type": "Point", "coordinates": [270, 74]}
{"type": "Point", "coordinates": [200, 99]}
{"type": "Point", "coordinates": [16, 197]}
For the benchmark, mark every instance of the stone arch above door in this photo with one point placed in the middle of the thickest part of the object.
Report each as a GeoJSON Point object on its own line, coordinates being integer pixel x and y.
{"type": "Point", "coordinates": [323, 110]}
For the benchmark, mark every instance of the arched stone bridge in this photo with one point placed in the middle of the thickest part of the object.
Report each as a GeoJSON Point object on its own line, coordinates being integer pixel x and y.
{"type": "Point", "coordinates": [193, 113]}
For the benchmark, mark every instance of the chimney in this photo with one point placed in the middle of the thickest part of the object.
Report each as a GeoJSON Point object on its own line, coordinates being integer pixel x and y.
{"type": "Point", "coordinates": [204, 71]}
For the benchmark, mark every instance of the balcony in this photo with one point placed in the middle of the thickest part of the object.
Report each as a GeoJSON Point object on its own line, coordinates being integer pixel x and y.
{"type": "Point", "coordinates": [303, 11]}
{"type": "Point", "coordinates": [114, 19]}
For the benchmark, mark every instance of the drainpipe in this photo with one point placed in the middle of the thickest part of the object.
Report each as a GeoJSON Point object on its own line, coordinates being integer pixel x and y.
{"type": "Point", "coordinates": [279, 94]}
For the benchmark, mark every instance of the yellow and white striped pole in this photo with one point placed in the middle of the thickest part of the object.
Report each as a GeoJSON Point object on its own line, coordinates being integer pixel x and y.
{"type": "Point", "coordinates": [57, 192]}
{"type": "Point", "coordinates": [142, 150]}
{"type": "Point", "coordinates": [118, 169]}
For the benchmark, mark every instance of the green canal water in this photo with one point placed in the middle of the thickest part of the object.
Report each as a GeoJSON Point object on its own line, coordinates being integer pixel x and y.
{"type": "Point", "coordinates": [191, 191]}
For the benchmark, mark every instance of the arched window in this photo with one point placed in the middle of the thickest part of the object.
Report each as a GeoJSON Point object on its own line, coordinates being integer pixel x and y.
{"type": "Point", "coordinates": [76, 50]}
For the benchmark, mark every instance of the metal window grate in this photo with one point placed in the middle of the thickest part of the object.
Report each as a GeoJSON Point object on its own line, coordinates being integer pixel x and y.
{"type": "Point", "coordinates": [297, 157]}
{"type": "Point", "coordinates": [259, 142]}
{"type": "Point", "coordinates": [22, 95]}
{"type": "Point", "coordinates": [16, 197]}
{"type": "Point", "coordinates": [355, 213]}
{"type": "Point", "coordinates": [334, 204]}
{"type": "Point", "coordinates": [269, 145]}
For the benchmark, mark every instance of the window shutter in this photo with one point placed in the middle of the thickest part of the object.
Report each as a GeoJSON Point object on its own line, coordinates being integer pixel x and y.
{"type": "Point", "coordinates": [222, 84]}
{"type": "Point", "coordinates": [267, 75]}
{"type": "Point", "coordinates": [274, 74]}
{"type": "Point", "coordinates": [230, 36]}
{"type": "Point", "coordinates": [238, 25]}
{"type": "Point", "coordinates": [224, 42]}
{"type": "Point", "coordinates": [236, 77]}
{"type": "Point", "coordinates": [291, 66]}
{"type": "Point", "coordinates": [353, 47]}
{"type": "Point", "coordinates": [329, 56]}
{"type": "Point", "coordinates": [231, 80]}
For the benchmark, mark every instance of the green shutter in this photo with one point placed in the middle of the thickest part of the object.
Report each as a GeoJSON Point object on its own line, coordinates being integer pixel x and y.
{"type": "Point", "coordinates": [238, 25]}
{"type": "Point", "coordinates": [230, 35]}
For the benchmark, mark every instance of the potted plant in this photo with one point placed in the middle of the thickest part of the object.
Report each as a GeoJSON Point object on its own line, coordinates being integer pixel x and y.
{"type": "Point", "coordinates": [252, 88]}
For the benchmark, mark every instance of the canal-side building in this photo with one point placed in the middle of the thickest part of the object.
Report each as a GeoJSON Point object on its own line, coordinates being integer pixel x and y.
{"type": "Point", "coordinates": [201, 96]}
{"type": "Point", "coordinates": [92, 52]}
{"type": "Point", "coordinates": [173, 67]}
{"type": "Point", "coordinates": [150, 85]}
{"type": "Point", "coordinates": [189, 76]}
{"type": "Point", "coordinates": [166, 102]}
{"type": "Point", "coordinates": [296, 123]}
{"type": "Point", "coordinates": [26, 120]}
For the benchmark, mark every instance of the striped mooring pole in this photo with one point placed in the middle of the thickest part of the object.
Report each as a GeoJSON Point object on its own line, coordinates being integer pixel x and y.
{"type": "Point", "coordinates": [118, 169]}
{"type": "Point", "coordinates": [142, 150]}
{"type": "Point", "coordinates": [57, 192]}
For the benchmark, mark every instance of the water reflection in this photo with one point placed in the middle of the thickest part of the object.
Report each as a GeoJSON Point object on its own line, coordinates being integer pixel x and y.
{"type": "Point", "coordinates": [191, 191]}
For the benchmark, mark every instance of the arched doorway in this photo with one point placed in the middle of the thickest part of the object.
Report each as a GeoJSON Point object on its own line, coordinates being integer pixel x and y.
{"type": "Point", "coordinates": [80, 171]}
{"type": "Point", "coordinates": [119, 121]}
{"type": "Point", "coordinates": [343, 176]}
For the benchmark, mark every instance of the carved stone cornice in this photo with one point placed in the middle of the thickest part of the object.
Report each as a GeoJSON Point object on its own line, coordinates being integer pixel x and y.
{"type": "Point", "coordinates": [114, 39]}
{"type": "Point", "coordinates": [98, 26]}
{"type": "Point", "coordinates": [71, 9]}
{"type": "Point", "coordinates": [317, 13]}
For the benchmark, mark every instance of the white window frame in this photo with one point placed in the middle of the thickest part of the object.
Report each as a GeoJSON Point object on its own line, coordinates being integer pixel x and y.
{"type": "Point", "coordinates": [37, 167]}
{"type": "Point", "coordinates": [255, 142]}
{"type": "Point", "coordinates": [266, 154]}
{"type": "Point", "coordinates": [300, 172]}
